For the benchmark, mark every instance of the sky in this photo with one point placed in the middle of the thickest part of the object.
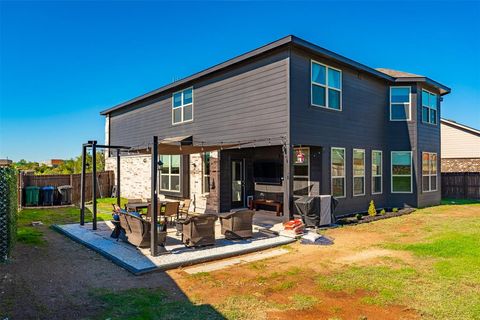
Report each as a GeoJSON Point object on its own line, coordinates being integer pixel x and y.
{"type": "Point", "coordinates": [61, 63]}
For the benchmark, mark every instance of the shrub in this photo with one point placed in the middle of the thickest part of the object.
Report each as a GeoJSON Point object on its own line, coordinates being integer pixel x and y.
{"type": "Point", "coordinates": [383, 212]}
{"type": "Point", "coordinates": [8, 210]}
{"type": "Point", "coordinates": [371, 209]}
{"type": "Point", "coordinates": [359, 216]}
{"type": "Point", "coordinates": [395, 210]}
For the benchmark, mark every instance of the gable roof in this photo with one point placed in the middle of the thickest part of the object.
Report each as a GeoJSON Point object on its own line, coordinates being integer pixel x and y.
{"type": "Point", "coordinates": [453, 123]}
{"type": "Point", "coordinates": [398, 74]}
{"type": "Point", "coordinates": [285, 41]}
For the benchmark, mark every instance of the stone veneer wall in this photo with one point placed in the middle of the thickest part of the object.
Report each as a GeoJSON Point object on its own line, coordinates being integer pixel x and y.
{"type": "Point", "coordinates": [135, 179]}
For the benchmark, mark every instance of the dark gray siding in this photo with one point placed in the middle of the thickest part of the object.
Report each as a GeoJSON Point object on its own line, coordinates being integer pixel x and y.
{"type": "Point", "coordinates": [247, 102]}
{"type": "Point", "coordinates": [363, 123]}
{"type": "Point", "coordinates": [428, 141]}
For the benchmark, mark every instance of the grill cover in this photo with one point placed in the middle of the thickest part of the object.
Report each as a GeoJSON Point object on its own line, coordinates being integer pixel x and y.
{"type": "Point", "coordinates": [315, 210]}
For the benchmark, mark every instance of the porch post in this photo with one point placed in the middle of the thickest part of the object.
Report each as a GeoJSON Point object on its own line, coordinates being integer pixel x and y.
{"type": "Point", "coordinates": [82, 185]}
{"type": "Point", "coordinates": [94, 184]}
{"type": "Point", "coordinates": [118, 178]}
{"type": "Point", "coordinates": [154, 199]}
{"type": "Point", "coordinates": [287, 181]}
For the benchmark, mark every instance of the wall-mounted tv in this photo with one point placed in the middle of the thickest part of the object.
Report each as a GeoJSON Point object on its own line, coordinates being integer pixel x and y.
{"type": "Point", "coordinates": [267, 171]}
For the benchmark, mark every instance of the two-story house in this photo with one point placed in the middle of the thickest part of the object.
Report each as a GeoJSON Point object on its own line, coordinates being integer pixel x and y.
{"type": "Point", "coordinates": [310, 122]}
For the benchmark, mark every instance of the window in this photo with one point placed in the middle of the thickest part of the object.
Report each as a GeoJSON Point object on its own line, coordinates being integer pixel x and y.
{"type": "Point", "coordinates": [429, 171]}
{"type": "Point", "coordinates": [338, 172]}
{"type": "Point", "coordinates": [429, 107]}
{"type": "Point", "coordinates": [358, 172]}
{"type": "Point", "coordinates": [399, 103]}
{"type": "Point", "coordinates": [377, 167]}
{"type": "Point", "coordinates": [326, 86]}
{"type": "Point", "coordinates": [206, 172]}
{"type": "Point", "coordinates": [401, 171]}
{"type": "Point", "coordinates": [182, 106]}
{"type": "Point", "coordinates": [301, 172]}
{"type": "Point", "coordinates": [170, 173]}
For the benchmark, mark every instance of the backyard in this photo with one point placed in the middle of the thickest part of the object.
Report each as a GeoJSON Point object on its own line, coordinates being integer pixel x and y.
{"type": "Point", "coordinates": [422, 265]}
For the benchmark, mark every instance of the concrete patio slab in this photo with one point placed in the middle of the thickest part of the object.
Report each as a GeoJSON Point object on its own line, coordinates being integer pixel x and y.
{"type": "Point", "coordinates": [139, 261]}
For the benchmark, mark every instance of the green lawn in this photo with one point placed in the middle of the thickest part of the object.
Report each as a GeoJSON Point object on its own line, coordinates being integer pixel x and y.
{"type": "Point", "coordinates": [28, 234]}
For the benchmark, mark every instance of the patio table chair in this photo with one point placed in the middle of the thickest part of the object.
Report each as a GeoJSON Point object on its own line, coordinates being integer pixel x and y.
{"type": "Point", "coordinates": [184, 207]}
{"type": "Point", "coordinates": [198, 230]}
{"type": "Point", "coordinates": [237, 225]}
{"type": "Point", "coordinates": [171, 210]}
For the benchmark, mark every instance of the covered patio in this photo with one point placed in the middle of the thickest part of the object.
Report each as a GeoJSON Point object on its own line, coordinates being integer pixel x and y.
{"type": "Point", "coordinates": [96, 235]}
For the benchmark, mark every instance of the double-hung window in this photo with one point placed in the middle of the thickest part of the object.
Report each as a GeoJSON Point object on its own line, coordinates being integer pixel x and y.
{"type": "Point", "coordinates": [429, 107]}
{"type": "Point", "coordinates": [182, 106]}
{"type": "Point", "coordinates": [429, 171]}
{"type": "Point", "coordinates": [170, 173]}
{"type": "Point", "coordinates": [401, 171]}
{"type": "Point", "coordinates": [206, 172]}
{"type": "Point", "coordinates": [400, 106]}
{"type": "Point", "coordinates": [338, 172]}
{"type": "Point", "coordinates": [377, 176]}
{"type": "Point", "coordinates": [326, 86]}
{"type": "Point", "coordinates": [358, 172]}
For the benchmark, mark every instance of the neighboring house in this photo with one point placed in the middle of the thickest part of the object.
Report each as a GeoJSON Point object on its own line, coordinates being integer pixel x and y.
{"type": "Point", "coordinates": [460, 147]}
{"type": "Point", "coordinates": [53, 162]}
{"type": "Point", "coordinates": [317, 123]}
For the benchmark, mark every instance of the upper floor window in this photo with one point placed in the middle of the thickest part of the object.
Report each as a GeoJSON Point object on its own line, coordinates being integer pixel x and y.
{"type": "Point", "coordinates": [401, 172]}
{"type": "Point", "coordinates": [326, 86]}
{"type": "Point", "coordinates": [170, 173]}
{"type": "Point", "coordinates": [400, 104]}
{"type": "Point", "coordinates": [182, 106]}
{"type": "Point", "coordinates": [429, 107]}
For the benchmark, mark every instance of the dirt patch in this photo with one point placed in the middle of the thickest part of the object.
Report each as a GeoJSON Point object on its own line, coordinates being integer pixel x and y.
{"type": "Point", "coordinates": [369, 254]}
{"type": "Point", "coordinates": [55, 281]}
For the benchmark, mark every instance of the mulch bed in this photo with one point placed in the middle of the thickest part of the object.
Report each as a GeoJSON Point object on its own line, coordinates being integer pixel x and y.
{"type": "Point", "coordinates": [368, 219]}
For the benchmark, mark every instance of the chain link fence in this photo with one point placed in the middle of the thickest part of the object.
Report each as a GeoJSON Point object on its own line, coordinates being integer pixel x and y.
{"type": "Point", "coordinates": [8, 210]}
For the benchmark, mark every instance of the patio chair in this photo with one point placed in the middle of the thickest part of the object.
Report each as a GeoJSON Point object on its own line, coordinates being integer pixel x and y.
{"type": "Point", "coordinates": [183, 210]}
{"type": "Point", "coordinates": [171, 210]}
{"type": "Point", "coordinates": [198, 230]}
{"type": "Point", "coordinates": [137, 230]}
{"type": "Point", "coordinates": [237, 225]}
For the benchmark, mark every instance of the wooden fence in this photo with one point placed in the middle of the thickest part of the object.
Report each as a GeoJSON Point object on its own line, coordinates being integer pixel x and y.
{"type": "Point", "coordinates": [105, 181]}
{"type": "Point", "coordinates": [461, 185]}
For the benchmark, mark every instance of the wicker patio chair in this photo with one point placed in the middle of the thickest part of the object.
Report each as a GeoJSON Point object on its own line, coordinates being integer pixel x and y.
{"type": "Point", "coordinates": [198, 230]}
{"type": "Point", "coordinates": [137, 230]}
{"type": "Point", "coordinates": [237, 225]}
{"type": "Point", "coordinates": [171, 210]}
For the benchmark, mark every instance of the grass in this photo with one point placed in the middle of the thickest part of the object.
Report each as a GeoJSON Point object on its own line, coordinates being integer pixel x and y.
{"type": "Point", "coordinates": [303, 302]}
{"type": "Point", "coordinates": [30, 235]}
{"type": "Point", "coordinates": [150, 304]}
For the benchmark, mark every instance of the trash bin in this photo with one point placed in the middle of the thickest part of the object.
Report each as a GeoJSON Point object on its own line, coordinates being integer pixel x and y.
{"type": "Point", "coordinates": [47, 195]}
{"type": "Point", "coordinates": [32, 195]}
{"type": "Point", "coordinates": [65, 194]}
{"type": "Point", "coordinates": [316, 210]}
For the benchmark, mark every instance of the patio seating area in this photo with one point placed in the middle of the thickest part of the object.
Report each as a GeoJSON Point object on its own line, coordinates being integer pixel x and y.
{"type": "Point", "coordinates": [174, 254]}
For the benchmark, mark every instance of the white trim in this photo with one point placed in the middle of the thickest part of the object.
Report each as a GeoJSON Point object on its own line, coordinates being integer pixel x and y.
{"type": "Point", "coordinates": [430, 175]}
{"type": "Point", "coordinates": [309, 167]}
{"type": "Point", "coordinates": [182, 106]}
{"type": "Point", "coordinates": [326, 86]}
{"type": "Point", "coordinates": [429, 108]}
{"type": "Point", "coordinates": [401, 175]}
{"type": "Point", "coordinates": [344, 172]}
{"type": "Point", "coordinates": [353, 173]}
{"type": "Point", "coordinates": [398, 103]}
{"type": "Point", "coordinates": [381, 172]}
{"type": "Point", "coordinates": [458, 125]}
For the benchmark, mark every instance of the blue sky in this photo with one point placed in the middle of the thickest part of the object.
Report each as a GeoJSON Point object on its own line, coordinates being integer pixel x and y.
{"type": "Point", "coordinates": [61, 62]}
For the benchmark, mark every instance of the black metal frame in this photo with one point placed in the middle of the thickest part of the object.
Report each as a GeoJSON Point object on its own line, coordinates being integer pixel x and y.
{"type": "Point", "coordinates": [93, 144]}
